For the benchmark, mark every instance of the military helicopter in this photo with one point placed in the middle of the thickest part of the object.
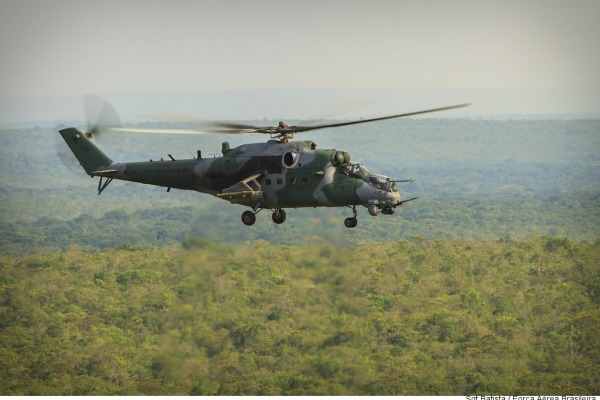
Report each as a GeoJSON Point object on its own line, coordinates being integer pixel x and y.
{"type": "Point", "coordinates": [274, 175]}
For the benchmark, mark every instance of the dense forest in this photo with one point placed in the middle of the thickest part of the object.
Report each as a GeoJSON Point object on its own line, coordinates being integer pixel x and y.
{"type": "Point", "coordinates": [489, 283]}
{"type": "Point", "coordinates": [422, 317]}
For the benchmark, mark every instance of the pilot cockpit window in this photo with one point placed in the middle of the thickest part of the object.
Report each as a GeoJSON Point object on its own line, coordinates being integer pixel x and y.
{"type": "Point", "coordinates": [383, 183]}
{"type": "Point", "coordinates": [359, 170]}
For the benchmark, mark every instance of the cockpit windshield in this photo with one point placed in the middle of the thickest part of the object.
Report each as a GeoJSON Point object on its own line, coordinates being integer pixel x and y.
{"type": "Point", "coordinates": [383, 183]}
{"type": "Point", "coordinates": [355, 170]}
{"type": "Point", "coordinates": [361, 172]}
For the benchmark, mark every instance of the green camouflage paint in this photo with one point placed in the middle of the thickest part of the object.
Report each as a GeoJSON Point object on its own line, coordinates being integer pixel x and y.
{"type": "Point", "coordinates": [272, 175]}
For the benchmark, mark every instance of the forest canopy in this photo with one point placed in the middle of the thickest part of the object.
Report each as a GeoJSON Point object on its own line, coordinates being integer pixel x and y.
{"type": "Point", "coordinates": [407, 318]}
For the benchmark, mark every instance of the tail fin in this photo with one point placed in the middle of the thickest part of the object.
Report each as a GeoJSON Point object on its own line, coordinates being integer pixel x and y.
{"type": "Point", "coordinates": [90, 157]}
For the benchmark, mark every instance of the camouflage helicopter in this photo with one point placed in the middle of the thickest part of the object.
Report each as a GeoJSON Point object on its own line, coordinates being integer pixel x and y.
{"type": "Point", "coordinates": [274, 175]}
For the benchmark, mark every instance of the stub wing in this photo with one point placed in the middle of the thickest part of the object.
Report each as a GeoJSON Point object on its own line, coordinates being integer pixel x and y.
{"type": "Point", "coordinates": [247, 192]}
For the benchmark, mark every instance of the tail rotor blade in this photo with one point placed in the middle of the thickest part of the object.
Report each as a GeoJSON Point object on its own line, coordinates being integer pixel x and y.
{"type": "Point", "coordinates": [65, 155]}
{"type": "Point", "coordinates": [100, 115]}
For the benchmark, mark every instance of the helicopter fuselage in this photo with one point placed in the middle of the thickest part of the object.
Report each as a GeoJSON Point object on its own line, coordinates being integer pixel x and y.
{"type": "Point", "coordinates": [271, 175]}
{"type": "Point", "coordinates": [291, 175]}
{"type": "Point", "coordinates": [275, 175]}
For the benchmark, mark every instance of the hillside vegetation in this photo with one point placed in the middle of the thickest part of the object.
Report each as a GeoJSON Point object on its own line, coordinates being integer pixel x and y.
{"type": "Point", "coordinates": [425, 317]}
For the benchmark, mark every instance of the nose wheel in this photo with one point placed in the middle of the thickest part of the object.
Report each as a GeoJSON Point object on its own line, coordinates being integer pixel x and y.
{"type": "Point", "coordinates": [351, 222]}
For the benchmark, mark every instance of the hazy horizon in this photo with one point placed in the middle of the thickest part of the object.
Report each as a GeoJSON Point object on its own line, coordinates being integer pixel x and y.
{"type": "Point", "coordinates": [269, 59]}
{"type": "Point", "coordinates": [307, 104]}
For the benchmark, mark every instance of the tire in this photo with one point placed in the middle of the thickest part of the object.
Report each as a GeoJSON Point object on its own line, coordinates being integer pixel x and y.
{"type": "Point", "coordinates": [350, 222]}
{"type": "Point", "coordinates": [279, 216]}
{"type": "Point", "coordinates": [248, 218]}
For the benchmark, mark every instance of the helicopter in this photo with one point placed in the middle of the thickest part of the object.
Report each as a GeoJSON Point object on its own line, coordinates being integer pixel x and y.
{"type": "Point", "coordinates": [277, 174]}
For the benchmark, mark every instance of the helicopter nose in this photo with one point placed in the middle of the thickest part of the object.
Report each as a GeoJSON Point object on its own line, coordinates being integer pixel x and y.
{"type": "Point", "coordinates": [394, 198]}
{"type": "Point", "coordinates": [389, 198]}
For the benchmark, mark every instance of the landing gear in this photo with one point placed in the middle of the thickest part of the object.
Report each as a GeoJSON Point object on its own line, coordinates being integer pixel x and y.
{"type": "Point", "coordinates": [248, 218]}
{"type": "Point", "coordinates": [351, 222]}
{"type": "Point", "coordinates": [101, 186]}
{"type": "Point", "coordinates": [278, 216]}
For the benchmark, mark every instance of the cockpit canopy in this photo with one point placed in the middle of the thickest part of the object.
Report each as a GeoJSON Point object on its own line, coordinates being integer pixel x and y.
{"type": "Point", "coordinates": [356, 170]}
{"type": "Point", "coordinates": [359, 171]}
{"type": "Point", "coordinates": [383, 183]}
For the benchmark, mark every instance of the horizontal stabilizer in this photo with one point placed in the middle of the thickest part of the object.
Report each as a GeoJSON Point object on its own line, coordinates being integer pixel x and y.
{"type": "Point", "coordinates": [103, 172]}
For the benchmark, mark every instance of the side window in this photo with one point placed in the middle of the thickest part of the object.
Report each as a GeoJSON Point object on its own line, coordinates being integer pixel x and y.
{"type": "Point", "coordinates": [304, 180]}
{"type": "Point", "coordinates": [268, 181]}
{"type": "Point", "coordinates": [279, 181]}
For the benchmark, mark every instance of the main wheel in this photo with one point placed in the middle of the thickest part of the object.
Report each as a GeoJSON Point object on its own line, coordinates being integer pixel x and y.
{"type": "Point", "coordinates": [279, 216]}
{"type": "Point", "coordinates": [350, 222]}
{"type": "Point", "coordinates": [248, 218]}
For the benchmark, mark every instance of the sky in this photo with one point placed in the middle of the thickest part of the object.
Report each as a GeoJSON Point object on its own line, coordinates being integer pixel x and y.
{"type": "Point", "coordinates": [63, 47]}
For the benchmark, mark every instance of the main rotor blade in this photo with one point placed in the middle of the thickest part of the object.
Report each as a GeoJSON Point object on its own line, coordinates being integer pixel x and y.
{"type": "Point", "coordinates": [363, 121]}
{"type": "Point", "coordinates": [180, 131]}
{"type": "Point", "coordinates": [234, 128]}
{"type": "Point", "coordinates": [333, 110]}
{"type": "Point", "coordinates": [198, 121]}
